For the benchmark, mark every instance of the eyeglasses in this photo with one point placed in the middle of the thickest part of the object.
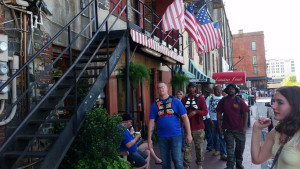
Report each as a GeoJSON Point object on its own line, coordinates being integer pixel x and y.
{"type": "Point", "coordinates": [162, 87]}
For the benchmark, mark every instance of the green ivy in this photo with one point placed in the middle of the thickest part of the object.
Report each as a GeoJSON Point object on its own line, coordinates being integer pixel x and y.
{"type": "Point", "coordinates": [179, 81]}
{"type": "Point", "coordinates": [137, 72]}
{"type": "Point", "coordinates": [97, 143]}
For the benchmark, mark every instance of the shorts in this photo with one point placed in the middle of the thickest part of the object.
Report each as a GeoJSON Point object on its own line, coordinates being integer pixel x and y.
{"type": "Point", "coordinates": [137, 159]}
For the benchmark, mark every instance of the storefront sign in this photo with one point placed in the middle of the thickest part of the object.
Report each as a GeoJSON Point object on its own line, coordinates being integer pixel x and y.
{"type": "Point", "coordinates": [229, 77]}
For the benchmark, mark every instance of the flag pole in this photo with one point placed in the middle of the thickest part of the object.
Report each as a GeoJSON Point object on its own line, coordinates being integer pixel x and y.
{"type": "Point", "coordinates": [185, 47]}
{"type": "Point", "coordinates": [167, 35]}
{"type": "Point", "coordinates": [155, 28]}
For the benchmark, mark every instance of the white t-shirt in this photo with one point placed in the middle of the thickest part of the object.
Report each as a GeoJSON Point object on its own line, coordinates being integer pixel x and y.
{"type": "Point", "coordinates": [211, 106]}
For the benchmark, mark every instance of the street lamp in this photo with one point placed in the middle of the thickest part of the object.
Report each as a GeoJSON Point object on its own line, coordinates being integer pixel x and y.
{"type": "Point", "coordinates": [240, 59]}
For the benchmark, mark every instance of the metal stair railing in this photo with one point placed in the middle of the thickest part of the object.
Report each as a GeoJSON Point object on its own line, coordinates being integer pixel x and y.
{"type": "Point", "coordinates": [25, 67]}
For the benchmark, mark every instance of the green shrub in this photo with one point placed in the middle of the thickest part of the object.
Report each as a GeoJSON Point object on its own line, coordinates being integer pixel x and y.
{"type": "Point", "coordinates": [97, 143]}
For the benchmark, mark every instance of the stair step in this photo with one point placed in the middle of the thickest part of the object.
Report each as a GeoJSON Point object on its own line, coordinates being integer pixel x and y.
{"type": "Point", "coordinates": [60, 108]}
{"type": "Point", "coordinates": [40, 136]}
{"type": "Point", "coordinates": [64, 86]}
{"type": "Point", "coordinates": [60, 96]}
{"type": "Point", "coordinates": [89, 53]}
{"type": "Point", "coordinates": [48, 121]}
{"type": "Point", "coordinates": [115, 34]}
{"type": "Point", "coordinates": [94, 60]}
{"type": "Point", "coordinates": [89, 76]}
{"type": "Point", "coordinates": [46, 108]}
{"type": "Point", "coordinates": [111, 45]}
{"type": "Point", "coordinates": [26, 154]}
{"type": "Point", "coordinates": [85, 86]}
{"type": "Point", "coordinates": [90, 67]}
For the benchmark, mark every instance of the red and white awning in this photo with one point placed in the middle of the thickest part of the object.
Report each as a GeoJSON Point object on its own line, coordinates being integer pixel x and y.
{"type": "Point", "coordinates": [154, 45]}
{"type": "Point", "coordinates": [229, 77]}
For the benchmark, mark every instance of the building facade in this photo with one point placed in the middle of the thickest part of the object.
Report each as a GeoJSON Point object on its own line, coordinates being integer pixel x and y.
{"type": "Point", "coordinates": [249, 56]}
{"type": "Point", "coordinates": [65, 58]}
{"type": "Point", "coordinates": [278, 69]}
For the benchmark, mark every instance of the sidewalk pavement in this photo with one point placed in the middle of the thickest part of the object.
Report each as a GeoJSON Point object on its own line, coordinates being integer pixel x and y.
{"type": "Point", "coordinates": [213, 162]}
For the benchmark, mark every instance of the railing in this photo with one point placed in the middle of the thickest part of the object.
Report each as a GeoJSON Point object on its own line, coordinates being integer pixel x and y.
{"type": "Point", "coordinates": [153, 25]}
{"type": "Point", "coordinates": [66, 30]}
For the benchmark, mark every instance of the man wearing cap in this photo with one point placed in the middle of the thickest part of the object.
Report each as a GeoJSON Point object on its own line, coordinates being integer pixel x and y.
{"type": "Point", "coordinates": [196, 109]}
{"type": "Point", "coordinates": [167, 112]}
{"type": "Point", "coordinates": [136, 157]}
{"type": "Point", "coordinates": [235, 117]}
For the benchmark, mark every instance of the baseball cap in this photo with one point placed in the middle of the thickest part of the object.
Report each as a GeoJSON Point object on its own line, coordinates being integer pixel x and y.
{"type": "Point", "coordinates": [191, 84]}
{"type": "Point", "coordinates": [126, 117]}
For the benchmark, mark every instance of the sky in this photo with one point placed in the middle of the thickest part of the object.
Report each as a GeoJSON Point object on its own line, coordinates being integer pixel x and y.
{"type": "Point", "coordinates": [279, 19]}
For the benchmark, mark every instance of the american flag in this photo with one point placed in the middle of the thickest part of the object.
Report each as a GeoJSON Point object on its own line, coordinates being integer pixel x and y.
{"type": "Point", "coordinates": [206, 30]}
{"type": "Point", "coordinates": [219, 36]}
{"type": "Point", "coordinates": [173, 17]}
{"type": "Point", "coordinates": [192, 29]}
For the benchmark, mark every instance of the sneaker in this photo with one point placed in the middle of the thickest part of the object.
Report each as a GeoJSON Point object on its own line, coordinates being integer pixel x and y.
{"type": "Point", "coordinates": [239, 166]}
{"type": "Point", "coordinates": [208, 149]}
{"type": "Point", "coordinates": [199, 167]}
{"type": "Point", "coordinates": [223, 157]}
{"type": "Point", "coordinates": [216, 153]}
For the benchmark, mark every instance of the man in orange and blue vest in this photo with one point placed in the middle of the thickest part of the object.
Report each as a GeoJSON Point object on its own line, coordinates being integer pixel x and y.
{"type": "Point", "coordinates": [196, 109]}
{"type": "Point", "coordinates": [167, 111]}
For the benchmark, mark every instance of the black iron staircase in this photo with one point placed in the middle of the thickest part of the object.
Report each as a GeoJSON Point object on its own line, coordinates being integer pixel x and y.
{"type": "Point", "coordinates": [44, 136]}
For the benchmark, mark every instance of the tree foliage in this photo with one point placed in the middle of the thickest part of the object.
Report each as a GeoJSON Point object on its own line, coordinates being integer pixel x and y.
{"type": "Point", "coordinates": [290, 81]}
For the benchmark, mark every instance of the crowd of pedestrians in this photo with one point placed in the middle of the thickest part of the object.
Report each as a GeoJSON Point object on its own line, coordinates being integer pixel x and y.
{"type": "Point", "coordinates": [220, 117]}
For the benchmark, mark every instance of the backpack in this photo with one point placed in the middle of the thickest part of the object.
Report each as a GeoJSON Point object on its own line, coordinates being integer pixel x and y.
{"type": "Point", "coordinates": [195, 98]}
{"type": "Point", "coordinates": [169, 101]}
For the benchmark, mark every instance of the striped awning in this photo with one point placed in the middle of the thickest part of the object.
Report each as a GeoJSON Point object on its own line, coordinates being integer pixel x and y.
{"type": "Point", "coordinates": [150, 43]}
{"type": "Point", "coordinates": [185, 71]}
{"type": "Point", "coordinates": [200, 77]}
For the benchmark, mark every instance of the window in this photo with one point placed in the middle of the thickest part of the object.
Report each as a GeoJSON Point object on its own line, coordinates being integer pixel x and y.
{"type": "Point", "coordinates": [253, 45]}
{"type": "Point", "coordinates": [190, 43]}
{"type": "Point", "coordinates": [293, 69]}
{"type": "Point", "coordinates": [255, 70]}
{"type": "Point", "coordinates": [254, 60]}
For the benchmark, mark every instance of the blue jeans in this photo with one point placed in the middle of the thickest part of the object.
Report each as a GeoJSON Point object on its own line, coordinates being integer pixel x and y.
{"type": "Point", "coordinates": [171, 147]}
{"type": "Point", "coordinates": [218, 139]}
{"type": "Point", "coordinates": [208, 135]}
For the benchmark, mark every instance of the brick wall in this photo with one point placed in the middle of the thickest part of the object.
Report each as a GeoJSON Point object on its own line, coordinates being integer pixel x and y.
{"type": "Point", "coordinates": [45, 58]}
{"type": "Point", "coordinates": [242, 47]}
{"type": "Point", "coordinates": [243, 56]}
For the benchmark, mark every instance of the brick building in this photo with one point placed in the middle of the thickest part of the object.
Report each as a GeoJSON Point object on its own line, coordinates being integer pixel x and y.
{"type": "Point", "coordinates": [249, 56]}
{"type": "Point", "coordinates": [69, 55]}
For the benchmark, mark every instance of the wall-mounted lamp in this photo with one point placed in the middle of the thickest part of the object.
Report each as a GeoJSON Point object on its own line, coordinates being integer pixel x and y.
{"type": "Point", "coordinates": [152, 52]}
{"type": "Point", "coordinates": [167, 58]}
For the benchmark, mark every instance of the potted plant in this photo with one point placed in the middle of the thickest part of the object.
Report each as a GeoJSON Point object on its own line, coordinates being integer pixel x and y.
{"type": "Point", "coordinates": [137, 73]}
{"type": "Point", "coordinates": [179, 81]}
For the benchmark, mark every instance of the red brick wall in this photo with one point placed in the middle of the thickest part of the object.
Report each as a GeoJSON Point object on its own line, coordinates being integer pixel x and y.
{"type": "Point", "coordinates": [112, 95]}
{"type": "Point", "coordinates": [241, 44]}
